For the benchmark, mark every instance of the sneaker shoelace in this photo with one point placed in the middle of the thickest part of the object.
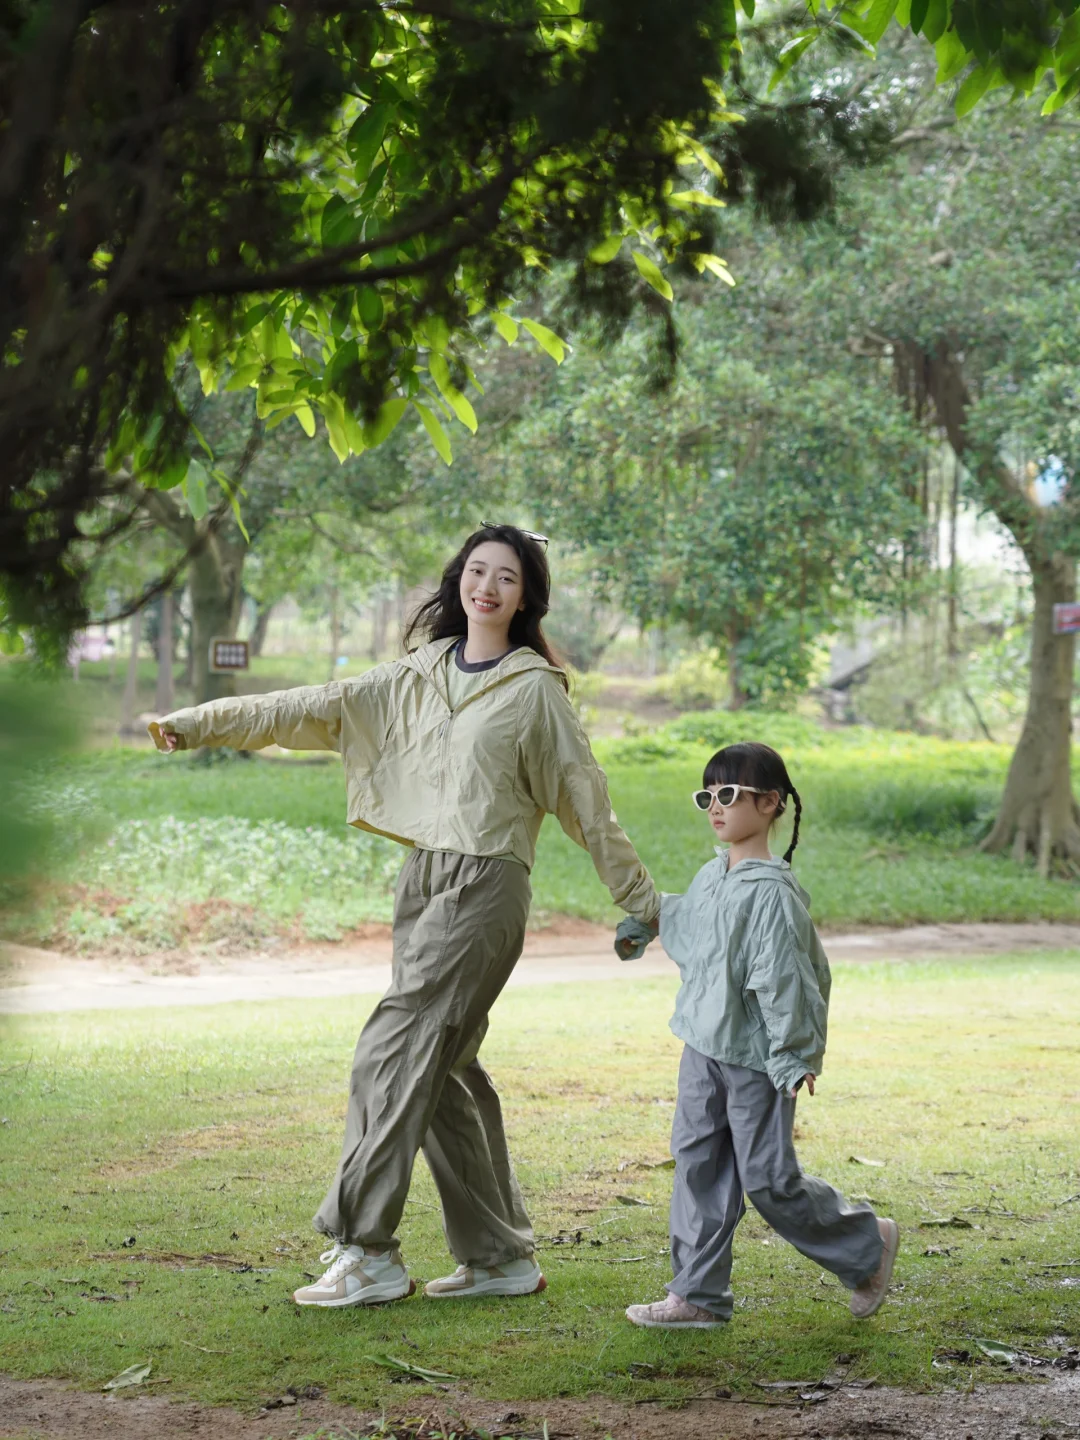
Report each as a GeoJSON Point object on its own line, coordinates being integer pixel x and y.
{"type": "Point", "coordinates": [339, 1262]}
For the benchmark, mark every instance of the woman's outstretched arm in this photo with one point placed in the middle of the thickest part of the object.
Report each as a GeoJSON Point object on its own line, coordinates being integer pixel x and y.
{"type": "Point", "coordinates": [566, 781]}
{"type": "Point", "coordinates": [307, 718]}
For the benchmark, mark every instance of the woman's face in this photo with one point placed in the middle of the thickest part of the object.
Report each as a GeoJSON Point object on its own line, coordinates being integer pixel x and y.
{"type": "Point", "coordinates": [492, 591]}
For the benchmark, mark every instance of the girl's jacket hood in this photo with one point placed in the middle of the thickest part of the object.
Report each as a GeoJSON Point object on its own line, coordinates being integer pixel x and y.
{"type": "Point", "coordinates": [756, 980]}
{"type": "Point", "coordinates": [477, 780]}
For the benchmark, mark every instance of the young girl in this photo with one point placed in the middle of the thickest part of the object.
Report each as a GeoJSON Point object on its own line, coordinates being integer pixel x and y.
{"type": "Point", "coordinates": [752, 1011]}
{"type": "Point", "coordinates": [458, 750]}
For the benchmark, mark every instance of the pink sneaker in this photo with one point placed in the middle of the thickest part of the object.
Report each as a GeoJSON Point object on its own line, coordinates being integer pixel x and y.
{"type": "Point", "coordinates": [867, 1298]}
{"type": "Point", "coordinates": [673, 1314]}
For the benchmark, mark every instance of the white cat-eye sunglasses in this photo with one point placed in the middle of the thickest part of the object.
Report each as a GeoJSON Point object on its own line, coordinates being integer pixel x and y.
{"type": "Point", "coordinates": [723, 795]}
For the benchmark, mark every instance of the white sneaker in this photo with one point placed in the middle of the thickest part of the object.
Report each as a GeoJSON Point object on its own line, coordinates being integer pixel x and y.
{"type": "Point", "coordinates": [673, 1313]}
{"type": "Point", "coordinates": [357, 1277]}
{"type": "Point", "coordinates": [516, 1277]}
{"type": "Point", "coordinates": [867, 1298]}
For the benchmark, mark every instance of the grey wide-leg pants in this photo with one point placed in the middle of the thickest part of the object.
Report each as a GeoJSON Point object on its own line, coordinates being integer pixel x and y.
{"type": "Point", "coordinates": [732, 1134]}
{"type": "Point", "coordinates": [459, 925]}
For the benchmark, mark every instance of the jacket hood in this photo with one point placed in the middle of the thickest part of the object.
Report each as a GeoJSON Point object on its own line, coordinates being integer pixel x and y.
{"type": "Point", "coordinates": [769, 872]}
{"type": "Point", "coordinates": [426, 658]}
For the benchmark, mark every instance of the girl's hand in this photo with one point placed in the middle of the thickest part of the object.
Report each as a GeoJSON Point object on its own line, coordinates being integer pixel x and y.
{"type": "Point", "coordinates": [172, 742]}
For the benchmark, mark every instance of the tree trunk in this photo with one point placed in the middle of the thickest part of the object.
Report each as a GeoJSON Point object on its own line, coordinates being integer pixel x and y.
{"type": "Point", "coordinates": [1038, 814]}
{"type": "Point", "coordinates": [216, 578]}
{"type": "Point", "coordinates": [380, 621]}
{"type": "Point", "coordinates": [259, 629]}
{"type": "Point", "coordinates": [127, 705]}
{"type": "Point", "coordinates": [737, 696]}
{"type": "Point", "coordinates": [163, 700]}
{"type": "Point", "coordinates": [335, 629]}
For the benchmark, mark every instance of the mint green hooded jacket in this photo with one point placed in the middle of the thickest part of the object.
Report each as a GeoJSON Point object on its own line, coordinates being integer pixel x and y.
{"type": "Point", "coordinates": [755, 980]}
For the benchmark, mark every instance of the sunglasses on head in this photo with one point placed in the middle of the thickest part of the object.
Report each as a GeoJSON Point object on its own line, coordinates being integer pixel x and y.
{"type": "Point", "coordinates": [723, 795]}
{"type": "Point", "coordinates": [529, 534]}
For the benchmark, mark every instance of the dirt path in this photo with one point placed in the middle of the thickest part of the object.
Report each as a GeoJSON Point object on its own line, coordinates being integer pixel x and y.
{"type": "Point", "coordinates": [1044, 1410]}
{"type": "Point", "coordinates": [36, 981]}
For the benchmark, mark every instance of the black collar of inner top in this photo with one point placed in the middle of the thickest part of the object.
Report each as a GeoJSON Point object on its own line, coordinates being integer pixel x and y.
{"type": "Point", "coordinates": [473, 667]}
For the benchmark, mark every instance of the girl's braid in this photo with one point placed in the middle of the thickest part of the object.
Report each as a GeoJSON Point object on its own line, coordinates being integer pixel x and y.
{"type": "Point", "coordinates": [795, 833]}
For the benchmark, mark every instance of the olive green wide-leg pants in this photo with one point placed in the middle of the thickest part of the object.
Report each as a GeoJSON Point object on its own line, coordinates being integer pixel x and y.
{"type": "Point", "coordinates": [459, 926]}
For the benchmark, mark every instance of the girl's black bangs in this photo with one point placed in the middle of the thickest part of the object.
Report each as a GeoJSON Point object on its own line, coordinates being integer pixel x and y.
{"type": "Point", "coordinates": [747, 763]}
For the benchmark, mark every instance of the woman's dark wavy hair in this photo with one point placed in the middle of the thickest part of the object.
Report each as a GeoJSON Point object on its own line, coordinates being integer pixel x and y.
{"type": "Point", "coordinates": [444, 615]}
{"type": "Point", "coordinates": [751, 763]}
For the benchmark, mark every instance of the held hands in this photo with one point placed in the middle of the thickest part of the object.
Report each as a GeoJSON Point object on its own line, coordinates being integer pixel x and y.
{"type": "Point", "coordinates": [632, 936]}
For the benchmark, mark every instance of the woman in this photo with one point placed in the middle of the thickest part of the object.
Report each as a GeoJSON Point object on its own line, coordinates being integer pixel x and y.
{"type": "Point", "coordinates": [458, 750]}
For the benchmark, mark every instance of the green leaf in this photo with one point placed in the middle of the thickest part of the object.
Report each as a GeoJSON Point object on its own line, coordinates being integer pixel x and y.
{"type": "Point", "coordinates": [391, 1362]}
{"type": "Point", "coordinates": [171, 474]}
{"type": "Point", "coordinates": [547, 340]}
{"type": "Point", "coordinates": [333, 411]}
{"type": "Point", "coordinates": [436, 332]}
{"type": "Point", "coordinates": [194, 488]}
{"type": "Point", "coordinates": [876, 21]}
{"type": "Point", "coordinates": [390, 412]}
{"type": "Point", "coordinates": [686, 199]}
{"type": "Point", "coordinates": [711, 164]}
{"type": "Point", "coordinates": [364, 139]}
{"type": "Point", "coordinates": [339, 226]}
{"type": "Point", "coordinates": [506, 327]}
{"type": "Point", "coordinates": [370, 305]}
{"type": "Point", "coordinates": [343, 358]}
{"type": "Point", "coordinates": [440, 373]}
{"type": "Point", "coordinates": [937, 17]}
{"type": "Point", "coordinates": [341, 315]}
{"type": "Point", "coordinates": [952, 56]}
{"type": "Point", "coordinates": [918, 15]}
{"type": "Point", "coordinates": [791, 53]}
{"type": "Point", "coordinates": [1061, 97]}
{"type": "Point", "coordinates": [975, 87]}
{"type": "Point", "coordinates": [133, 1375]}
{"type": "Point", "coordinates": [233, 495]}
{"type": "Point", "coordinates": [307, 420]}
{"type": "Point", "coordinates": [434, 427]}
{"type": "Point", "coordinates": [853, 35]}
{"type": "Point", "coordinates": [650, 271]}
{"type": "Point", "coordinates": [243, 377]}
{"type": "Point", "coordinates": [606, 251]}
{"type": "Point", "coordinates": [253, 316]}
{"type": "Point", "coordinates": [717, 267]}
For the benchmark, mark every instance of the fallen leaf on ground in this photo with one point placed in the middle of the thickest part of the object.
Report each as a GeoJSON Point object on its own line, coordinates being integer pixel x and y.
{"type": "Point", "coordinates": [406, 1367]}
{"type": "Point", "coordinates": [862, 1160]}
{"type": "Point", "coordinates": [1000, 1353]}
{"type": "Point", "coordinates": [939, 1250]}
{"type": "Point", "coordinates": [946, 1222]}
{"type": "Point", "coordinates": [631, 1200]}
{"type": "Point", "coordinates": [133, 1375]}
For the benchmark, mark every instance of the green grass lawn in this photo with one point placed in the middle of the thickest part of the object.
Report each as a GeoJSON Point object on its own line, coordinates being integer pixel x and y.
{"type": "Point", "coordinates": [159, 852]}
{"type": "Point", "coordinates": [159, 1171]}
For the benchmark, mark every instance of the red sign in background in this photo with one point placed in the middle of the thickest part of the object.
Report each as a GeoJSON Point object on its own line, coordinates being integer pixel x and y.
{"type": "Point", "coordinates": [1066, 619]}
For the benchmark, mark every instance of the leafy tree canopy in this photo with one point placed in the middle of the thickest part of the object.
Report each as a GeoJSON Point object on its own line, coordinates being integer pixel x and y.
{"type": "Point", "coordinates": [326, 201]}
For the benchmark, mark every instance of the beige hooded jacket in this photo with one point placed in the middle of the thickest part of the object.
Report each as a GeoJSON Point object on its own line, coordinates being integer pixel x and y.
{"type": "Point", "coordinates": [477, 780]}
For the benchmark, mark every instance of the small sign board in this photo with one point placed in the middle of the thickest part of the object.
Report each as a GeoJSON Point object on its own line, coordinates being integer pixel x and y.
{"type": "Point", "coordinates": [228, 655]}
{"type": "Point", "coordinates": [1066, 619]}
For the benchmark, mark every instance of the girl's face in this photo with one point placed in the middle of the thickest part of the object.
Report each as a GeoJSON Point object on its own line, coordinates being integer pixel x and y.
{"type": "Point", "coordinates": [492, 591]}
{"type": "Point", "coordinates": [750, 816]}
